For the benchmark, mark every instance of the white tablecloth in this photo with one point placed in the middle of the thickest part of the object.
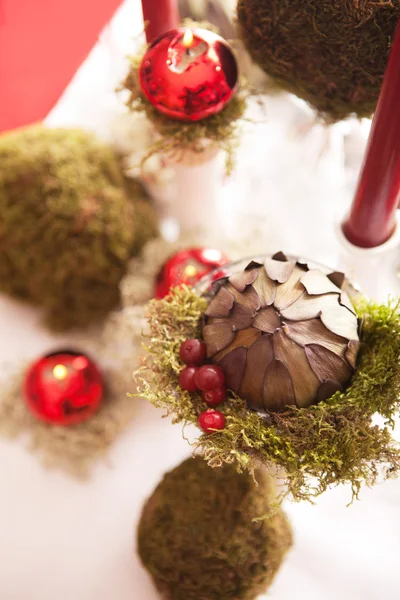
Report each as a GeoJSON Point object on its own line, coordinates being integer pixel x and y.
{"type": "Point", "coordinates": [69, 540]}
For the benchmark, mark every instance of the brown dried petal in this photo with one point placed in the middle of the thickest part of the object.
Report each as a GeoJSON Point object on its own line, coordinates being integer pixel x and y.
{"type": "Point", "coordinates": [217, 336]}
{"type": "Point", "coordinates": [337, 278]}
{"type": "Point", "coordinates": [327, 389]}
{"type": "Point", "coordinates": [221, 304]}
{"type": "Point", "coordinates": [278, 387]}
{"type": "Point", "coordinates": [352, 352]}
{"type": "Point", "coordinates": [340, 320]}
{"type": "Point", "coordinates": [287, 293]}
{"type": "Point", "coordinates": [305, 383]}
{"type": "Point", "coordinates": [253, 265]}
{"type": "Point", "coordinates": [314, 331]}
{"type": "Point", "coordinates": [245, 338]}
{"type": "Point", "coordinates": [279, 271]}
{"type": "Point", "coordinates": [258, 358]}
{"type": "Point", "coordinates": [240, 317]}
{"type": "Point", "coordinates": [265, 288]}
{"type": "Point", "coordinates": [327, 365]}
{"type": "Point", "coordinates": [248, 298]}
{"type": "Point", "coordinates": [267, 320]}
{"type": "Point", "coordinates": [241, 280]}
{"type": "Point", "coordinates": [309, 307]}
{"type": "Point", "coordinates": [233, 365]}
{"type": "Point", "coordinates": [280, 256]}
{"type": "Point", "coordinates": [316, 283]}
{"type": "Point", "coordinates": [344, 300]}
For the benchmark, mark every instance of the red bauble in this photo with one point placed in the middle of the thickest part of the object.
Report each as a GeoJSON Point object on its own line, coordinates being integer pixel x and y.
{"type": "Point", "coordinates": [63, 388]}
{"type": "Point", "coordinates": [209, 377]}
{"type": "Point", "coordinates": [210, 420]}
{"type": "Point", "coordinates": [189, 74]}
{"type": "Point", "coordinates": [188, 267]}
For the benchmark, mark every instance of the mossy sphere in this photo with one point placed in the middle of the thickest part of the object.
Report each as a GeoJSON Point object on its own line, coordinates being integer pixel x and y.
{"type": "Point", "coordinates": [331, 54]}
{"type": "Point", "coordinates": [197, 537]}
{"type": "Point", "coordinates": [68, 223]}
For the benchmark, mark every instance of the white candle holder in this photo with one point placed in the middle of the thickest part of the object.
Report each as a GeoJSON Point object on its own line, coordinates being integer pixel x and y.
{"type": "Point", "coordinates": [198, 177]}
{"type": "Point", "coordinates": [374, 269]}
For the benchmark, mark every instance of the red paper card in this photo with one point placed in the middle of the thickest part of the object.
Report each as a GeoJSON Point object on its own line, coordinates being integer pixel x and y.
{"type": "Point", "coordinates": [42, 44]}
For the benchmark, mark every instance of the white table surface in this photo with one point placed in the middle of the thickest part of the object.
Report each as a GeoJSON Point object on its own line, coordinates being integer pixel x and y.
{"type": "Point", "coordinates": [61, 539]}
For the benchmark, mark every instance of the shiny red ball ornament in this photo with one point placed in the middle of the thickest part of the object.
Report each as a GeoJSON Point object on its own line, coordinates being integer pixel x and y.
{"type": "Point", "coordinates": [189, 74]}
{"type": "Point", "coordinates": [188, 267]}
{"type": "Point", "coordinates": [63, 388]}
{"type": "Point", "coordinates": [210, 419]}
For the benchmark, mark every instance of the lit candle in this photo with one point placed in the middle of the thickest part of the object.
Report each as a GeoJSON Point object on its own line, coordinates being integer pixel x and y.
{"type": "Point", "coordinates": [189, 74]}
{"type": "Point", "coordinates": [372, 217]}
{"type": "Point", "coordinates": [184, 51]}
{"type": "Point", "coordinates": [160, 15]}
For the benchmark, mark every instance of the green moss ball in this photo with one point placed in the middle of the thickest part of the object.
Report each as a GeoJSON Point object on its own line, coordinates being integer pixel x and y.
{"type": "Point", "coordinates": [331, 54]}
{"type": "Point", "coordinates": [198, 541]}
{"type": "Point", "coordinates": [69, 222]}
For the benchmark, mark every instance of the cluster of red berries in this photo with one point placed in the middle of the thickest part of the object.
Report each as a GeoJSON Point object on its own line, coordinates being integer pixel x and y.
{"type": "Point", "coordinates": [209, 380]}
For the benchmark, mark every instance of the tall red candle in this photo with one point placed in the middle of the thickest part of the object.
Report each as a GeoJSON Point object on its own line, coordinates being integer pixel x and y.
{"type": "Point", "coordinates": [160, 16]}
{"type": "Point", "coordinates": [372, 217]}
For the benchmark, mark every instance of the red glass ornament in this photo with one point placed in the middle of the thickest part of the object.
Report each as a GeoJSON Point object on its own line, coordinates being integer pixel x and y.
{"type": "Point", "coordinates": [189, 74]}
{"type": "Point", "coordinates": [63, 388]}
{"type": "Point", "coordinates": [188, 267]}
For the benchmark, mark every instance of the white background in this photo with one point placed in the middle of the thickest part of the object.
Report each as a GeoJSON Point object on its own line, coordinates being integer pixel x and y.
{"type": "Point", "coordinates": [61, 539]}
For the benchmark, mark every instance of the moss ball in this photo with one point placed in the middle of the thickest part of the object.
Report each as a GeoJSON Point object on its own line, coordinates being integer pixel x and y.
{"type": "Point", "coordinates": [331, 54]}
{"type": "Point", "coordinates": [198, 541]}
{"type": "Point", "coordinates": [69, 222]}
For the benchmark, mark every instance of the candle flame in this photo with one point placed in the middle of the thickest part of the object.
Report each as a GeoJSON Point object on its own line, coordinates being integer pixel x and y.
{"type": "Point", "coordinates": [188, 38]}
{"type": "Point", "coordinates": [60, 371]}
{"type": "Point", "coordinates": [190, 271]}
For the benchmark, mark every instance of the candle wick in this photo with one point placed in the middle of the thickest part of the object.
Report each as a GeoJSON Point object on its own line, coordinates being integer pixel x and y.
{"type": "Point", "coordinates": [188, 51]}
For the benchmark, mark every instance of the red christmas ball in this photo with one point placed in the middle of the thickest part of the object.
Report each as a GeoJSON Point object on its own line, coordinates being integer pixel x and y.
{"type": "Point", "coordinates": [63, 388]}
{"type": "Point", "coordinates": [189, 74]}
{"type": "Point", "coordinates": [211, 419]}
{"type": "Point", "coordinates": [188, 267]}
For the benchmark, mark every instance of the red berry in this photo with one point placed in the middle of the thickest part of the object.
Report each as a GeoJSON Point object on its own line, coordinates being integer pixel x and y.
{"type": "Point", "coordinates": [186, 379]}
{"type": "Point", "coordinates": [214, 397]}
{"type": "Point", "coordinates": [193, 352]}
{"type": "Point", "coordinates": [210, 420]}
{"type": "Point", "coordinates": [209, 377]}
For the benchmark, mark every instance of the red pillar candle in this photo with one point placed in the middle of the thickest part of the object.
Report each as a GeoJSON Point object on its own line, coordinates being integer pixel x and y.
{"type": "Point", "coordinates": [160, 16]}
{"type": "Point", "coordinates": [372, 217]}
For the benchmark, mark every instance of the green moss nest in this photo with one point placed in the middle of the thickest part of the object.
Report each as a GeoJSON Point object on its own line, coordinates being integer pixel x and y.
{"type": "Point", "coordinates": [331, 54]}
{"type": "Point", "coordinates": [69, 222]}
{"type": "Point", "coordinates": [329, 443]}
{"type": "Point", "coordinates": [198, 540]}
{"type": "Point", "coordinates": [220, 131]}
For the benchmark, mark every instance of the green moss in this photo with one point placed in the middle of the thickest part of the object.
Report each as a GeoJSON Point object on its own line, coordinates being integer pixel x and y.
{"type": "Point", "coordinates": [326, 444]}
{"type": "Point", "coordinates": [220, 131]}
{"type": "Point", "coordinates": [331, 54]}
{"type": "Point", "coordinates": [197, 538]}
{"type": "Point", "coordinates": [67, 223]}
